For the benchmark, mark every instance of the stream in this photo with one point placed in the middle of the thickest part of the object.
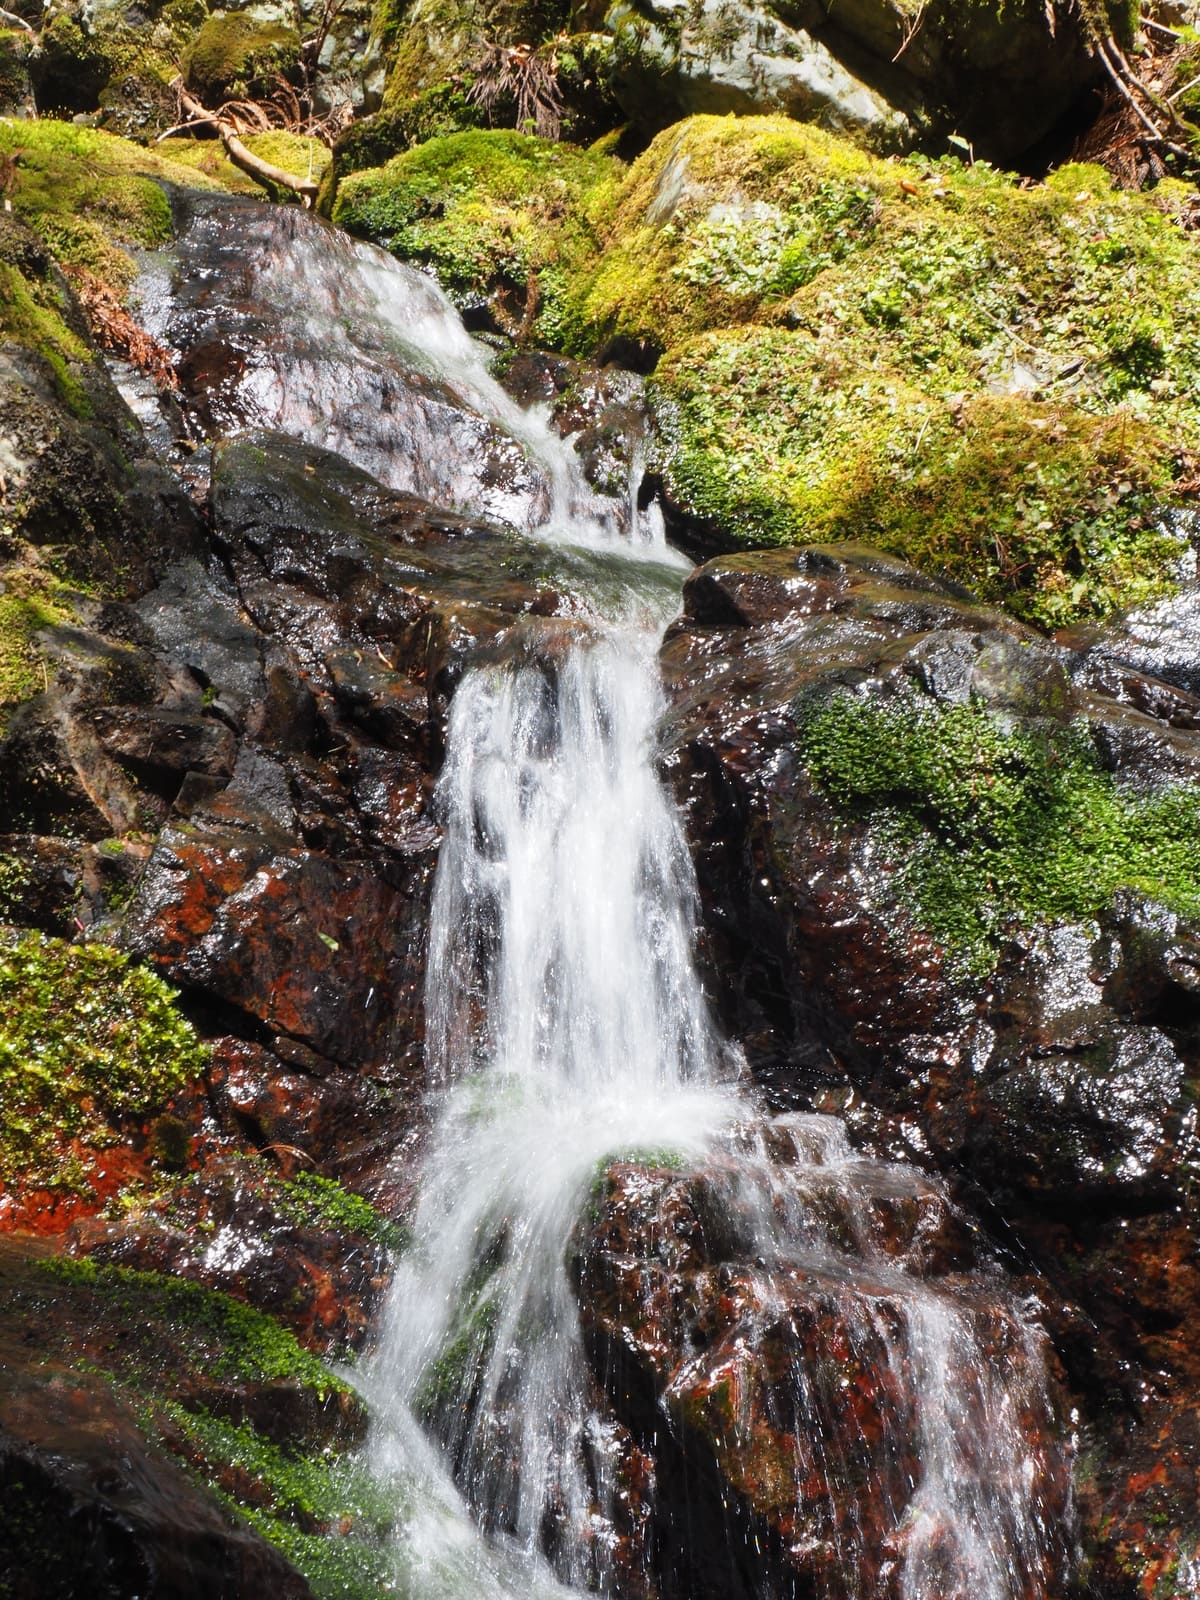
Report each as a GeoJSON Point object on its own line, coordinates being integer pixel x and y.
{"type": "Point", "coordinates": [573, 1065]}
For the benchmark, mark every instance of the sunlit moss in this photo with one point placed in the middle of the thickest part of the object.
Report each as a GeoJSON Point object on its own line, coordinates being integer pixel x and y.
{"type": "Point", "coordinates": [86, 1038]}
{"type": "Point", "coordinates": [990, 825]}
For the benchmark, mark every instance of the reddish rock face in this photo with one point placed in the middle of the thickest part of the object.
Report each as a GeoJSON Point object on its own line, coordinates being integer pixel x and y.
{"type": "Point", "coordinates": [798, 1385]}
{"type": "Point", "coordinates": [1056, 1094]}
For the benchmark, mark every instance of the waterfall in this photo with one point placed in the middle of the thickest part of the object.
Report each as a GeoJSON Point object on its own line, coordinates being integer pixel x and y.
{"type": "Point", "coordinates": [567, 1030]}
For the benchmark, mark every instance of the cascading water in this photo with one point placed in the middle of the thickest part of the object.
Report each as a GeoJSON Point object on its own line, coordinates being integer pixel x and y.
{"type": "Point", "coordinates": [567, 1031]}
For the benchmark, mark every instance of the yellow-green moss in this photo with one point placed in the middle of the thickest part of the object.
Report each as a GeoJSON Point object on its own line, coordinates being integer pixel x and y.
{"type": "Point", "coordinates": [71, 174]}
{"type": "Point", "coordinates": [1045, 508]}
{"type": "Point", "coordinates": [234, 55]}
{"type": "Point", "coordinates": [485, 207]}
{"type": "Point", "coordinates": [26, 606]}
{"type": "Point", "coordinates": [86, 1038]}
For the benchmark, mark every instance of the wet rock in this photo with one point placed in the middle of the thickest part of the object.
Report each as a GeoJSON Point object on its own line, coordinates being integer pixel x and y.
{"type": "Point", "coordinates": [313, 949]}
{"type": "Point", "coordinates": [244, 319]}
{"type": "Point", "coordinates": [159, 741]}
{"type": "Point", "coordinates": [236, 1227]}
{"type": "Point", "coordinates": [791, 1387]}
{"type": "Point", "coordinates": [1052, 1088]}
{"type": "Point", "coordinates": [85, 1493]}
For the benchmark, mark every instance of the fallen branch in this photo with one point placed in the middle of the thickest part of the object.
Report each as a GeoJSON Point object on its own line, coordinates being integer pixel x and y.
{"type": "Point", "coordinates": [10, 20]}
{"type": "Point", "coordinates": [1154, 135]}
{"type": "Point", "coordinates": [264, 172]}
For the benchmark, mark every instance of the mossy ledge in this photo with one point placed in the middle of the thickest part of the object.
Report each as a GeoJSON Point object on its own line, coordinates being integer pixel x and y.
{"type": "Point", "coordinates": [853, 346]}
{"type": "Point", "coordinates": [255, 1419]}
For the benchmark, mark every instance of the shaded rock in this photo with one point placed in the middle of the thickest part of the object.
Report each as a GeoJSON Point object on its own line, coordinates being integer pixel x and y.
{"type": "Point", "coordinates": [84, 1492]}
{"type": "Point", "coordinates": [880, 69]}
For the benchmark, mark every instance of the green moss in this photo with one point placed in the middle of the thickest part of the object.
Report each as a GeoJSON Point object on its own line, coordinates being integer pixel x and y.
{"type": "Point", "coordinates": [294, 152]}
{"type": "Point", "coordinates": [484, 208]}
{"type": "Point", "coordinates": [1046, 508]}
{"type": "Point", "coordinates": [324, 1512]}
{"type": "Point", "coordinates": [234, 55]}
{"type": "Point", "coordinates": [22, 616]}
{"type": "Point", "coordinates": [86, 1038]}
{"type": "Point", "coordinates": [319, 1201]}
{"type": "Point", "coordinates": [989, 824]}
{"type": "Point", "coordinates": [211, 1332]}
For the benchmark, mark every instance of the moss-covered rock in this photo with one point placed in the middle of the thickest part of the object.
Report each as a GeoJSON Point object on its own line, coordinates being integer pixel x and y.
{"type": "Point", "coordinates": [997, 380]}
{"type": "Point", "coordinates": [87, 1041]}
{"type": "Point", "coordinates": [227, 1432]}
{"type": "Point", "coordinates": [999, 823]}
{"type": "Point", "coordinates": [233, 55]}
{"type": "Point", "coordinates": [496, 214]}
{"type": "Point", "coordinates": [110, 60]}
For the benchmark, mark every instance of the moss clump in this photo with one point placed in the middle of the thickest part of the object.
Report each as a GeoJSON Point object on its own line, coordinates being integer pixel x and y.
{"type": "Point", "coordinates": [484, 208]}
{"type": "Point", "coordinates": [992, 824]}
{"type": "Point", "coordinates": [86, 1039]}
{"type": "Point", "coordinates": [26, 607]}
{"type": "Point", "coordinates": [1046, 508]}
{"type": "Point", "coordinates": [324, 1512]}
{"type": "Point", "coordinates": [234, 55]}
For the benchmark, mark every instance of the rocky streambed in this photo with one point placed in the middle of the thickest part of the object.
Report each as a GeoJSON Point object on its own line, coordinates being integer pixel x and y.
{"type": "Point", "coordinates": [948, 896]}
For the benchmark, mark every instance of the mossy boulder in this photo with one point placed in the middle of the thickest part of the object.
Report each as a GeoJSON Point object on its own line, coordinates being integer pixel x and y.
{"type": "Point", "coordinates": [111, 60]}
{"type": "Point", "coordinates": [500, 216]}
{"type": "Point", "coordinates": [994, 379]}
{"type": "Point", "coordinates": [233, 55]}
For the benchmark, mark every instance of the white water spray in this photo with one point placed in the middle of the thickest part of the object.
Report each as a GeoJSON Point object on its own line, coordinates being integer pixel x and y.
{"type": "Point", "coordinates": [567, 1027]}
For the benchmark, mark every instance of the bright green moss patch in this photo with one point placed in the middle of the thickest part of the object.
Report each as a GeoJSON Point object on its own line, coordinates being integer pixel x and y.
{"type": "Point", "coordinates": [86, 1038]}
{"type": "Point", "coordinates": [482, 207]}
{"type": "Point", "coordinates": [323, 1511]}
{"type": "Point", "coordinates": [1047, 508]}
{"type": "Point", "coordinates": [992, 824]}
{"type": "Point", "coordinates": [209, 1331]}
{"type": "Point", "coordinates": [323, 1202]}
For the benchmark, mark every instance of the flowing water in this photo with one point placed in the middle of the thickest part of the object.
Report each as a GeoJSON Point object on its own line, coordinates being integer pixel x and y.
{"type": "Point", "coordinates": [567, 1029]}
